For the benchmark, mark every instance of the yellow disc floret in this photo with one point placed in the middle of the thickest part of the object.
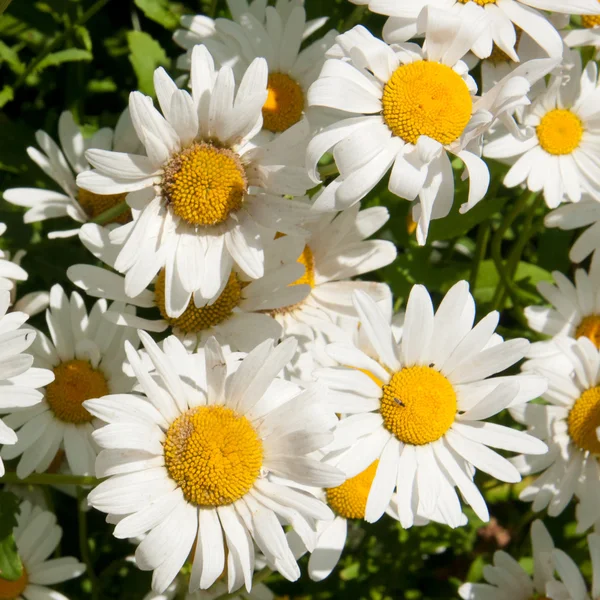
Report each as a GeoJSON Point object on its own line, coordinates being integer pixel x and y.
{"type": "Point", "coordinates": [480, 2]}
{"type": "Point", "coordinates": [590, 21]}
{"type": "Point", "coordinates": [560, 132]}
{"type": "Point", "coordinates": [584, 420]}
{"type": "Point", "coordinates": [213, 454]}
{"type": "Point", "coordinates": [74, 382]}
{"type": "Point", "coordinates": [284, 105]}
{"type": "Point", "coordinates": [418, 405]}
{"type": "Point", "coordinates": [589, 328]}
{"type": "Point", "coordinates": [307, 260]}
{"type": "Point", "coordinates": [426, 98]}
{"type": "Point", "coordinates": [204, 184]}
{"type": "Point", "coordinates": [95, 204]}
{"type": "Point", "coordinates": [349, 500]}
{"type": "Point", "coordinates": [194, 319]}
{"type": "Point", "coordinates": [13, 589]}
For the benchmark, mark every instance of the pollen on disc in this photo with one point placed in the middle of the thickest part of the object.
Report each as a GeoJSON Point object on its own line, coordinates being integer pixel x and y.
{"type": "Point", "coordinates": [584, 420]}
{"type": "Point", "coordinates": [349, 500]}
{"type": "Point", "coordinates": [418, 405]}
{"type": "Point", "coordinates": [284, 104]}
{"type": "Point", "coordinates": [195, 319]}
{"type": "Point", "coordinates": [74, 382]}
{"type": "Point", "coordinates": [426, 98]}
{"type": "Point", "coordinates": [560, 132]}
{"type": "Point", "coordinates": [213, 454]}
{"type": "Point", "coordinates": [204, 184]}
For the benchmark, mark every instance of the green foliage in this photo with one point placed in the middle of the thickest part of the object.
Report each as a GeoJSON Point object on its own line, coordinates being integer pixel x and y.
{"type": "Point", "coordinates": [11, 567]}
{"type": "Point", "coordinates": [145, 56]}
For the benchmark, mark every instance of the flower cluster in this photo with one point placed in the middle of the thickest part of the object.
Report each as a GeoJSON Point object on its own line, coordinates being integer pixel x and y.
{"type": "Point", "coordinates": [230, 387]}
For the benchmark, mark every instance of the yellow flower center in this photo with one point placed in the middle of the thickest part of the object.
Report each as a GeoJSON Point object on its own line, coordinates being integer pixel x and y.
{"type": "Point", "coordinates": [584, 419]}
{"type": "Point", "coordinates": [213, 454]}
{"type": "Point", "coordinates": [349, 500]}
{"type": "Point", "coordinates": [590, 21]}
{"type": "Point", "coordinates": [196, 319]}
{"type": "Point", "coordinates": [9, 590]}
{"type": "Point", "coordinates": [418, 405]}
{"type": "Point", "coordinates": [590, 328]}
{"type": "Point", "coordinates": [426, 98]}
{"type": "Point", "coordinates": [74, 382]}
{"type": "Point", "coordinates": [204, 184]}
{"type": "Point", "coordinates": [480, 2]}
{"type": "Point", "coordinates": [284, 105]}
{"type": "Point", "coordinates": [95, 204]}
{"type": "Point", "coordinates": [560, 131]}
{"type": "Point", "coordinates": [307, 260]}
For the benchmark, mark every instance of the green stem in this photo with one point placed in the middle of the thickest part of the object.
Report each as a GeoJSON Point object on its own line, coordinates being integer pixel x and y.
{"type": "Point", "coordinates": [481, 244]}
{"type": "Point", "coordinates": [213, 8]}
{"type": "Point", "coordinates": [496, 245]}
{"type": "Point", "coordinates": [57, 41]}
{"type": "Point", "coordinates": [4, 5]}
{"type": "Point", "coordinates": [258, 578]}
{"type": "Point", "coordinates": [84, 548]}
{"type": "Point", "coordinates": [111, 213]}
{"type": "Point", "coordinates": [328, 170]}
{"type": "Point", "coordinates": [353, 18]}
{"type": "Point", "coordinates": [49, 479]}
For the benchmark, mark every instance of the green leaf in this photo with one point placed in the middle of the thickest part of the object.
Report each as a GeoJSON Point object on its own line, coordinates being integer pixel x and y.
{"type": "Point", "coordinates": [159, 11]}
{"type": "Point", "coordinates": [6, 95]}
{"type": "Point", "coordinates": [146, 55]}
{"type": "Point", "coordinates": [57, 58]}
{"type": "Point", "coordinates": [11, 567]}
{"type": "Point", "coordinates": [456, 224]}
{"type": "Point", "coordinates": [11, 58]}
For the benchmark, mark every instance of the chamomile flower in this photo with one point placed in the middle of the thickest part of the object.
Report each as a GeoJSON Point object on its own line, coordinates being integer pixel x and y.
{"type": "Point", "coordinates": [410, 108]}
{"type": "Point", "coordinates": [574, 216]}
{"type": "Point", "coordinates": [336, 250]}
{"type": "Point", "coordinates": [240, 317]}
{"type": "Point", "coordinates": [587, 35]}
{"type": "Point", "coordinates": [507, 578]}
{"type": "Point", "coordinates": [85, 354]}
{"type": "Point", "coordinates": [575, 310]}
{"type": "Point", "coordinates": [185, 488]}
{"type": "Point", "coordinates": [277, 38]}
{"type": "Point", "coordinates": [62, 164]}
{"type": "Point", "coordinates": [420, 406]}
{"type": "Point", "coordinates": [36, 536]}
{"type": "Point", "coordinates": [568, 424]}
{"type": "Point", "coordinates": [501, 17]}
{"type": "Point", "coordinates": [559, 157]}
{"type": "Point", "coordinates": [18, 379]}
{"type": "Point", "coordinates": [205, 194]}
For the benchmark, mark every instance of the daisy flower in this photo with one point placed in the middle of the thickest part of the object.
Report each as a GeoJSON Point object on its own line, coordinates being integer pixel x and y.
{"type": "Point", "coordinates": [214, 492]}
{"type": "Point", "coordinates": [419, 407]}
{"type": "Point", "coordinates": [507, 578]}
{"type": "Point", "coordinates": [18, 379]}
{"type": "Point", "coordinates": [575, 310]}
{"type": "Point", "coordinates": [62, 164]}
{"type": "Point", "coordinates": [85, 355]}
{"type": "Point", "coordinates": [587, 35]}
{"type": "Point", "coordinates": [568, 424]}
{"type": "Point", "coordinates": [277, 38]}
{"type": "Point", "coordinates": [204, 195]}
{"type": "Point", "coordinates": [36, 536]}
{"type": "Point", "coordinates": [574, 216]}
{"type": "Point", "coordinates": [410, 108]}
{"type": "Point", "coordinates": [240, 317]}
{"type": "Point", "coordinates": [559, 157]}
{"type": "Point", "coordinates": [259, 592]}
{"type": "Point", "coordinates": [335, 250]}
{"type": "Point", "coordinates": [502, 18]}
